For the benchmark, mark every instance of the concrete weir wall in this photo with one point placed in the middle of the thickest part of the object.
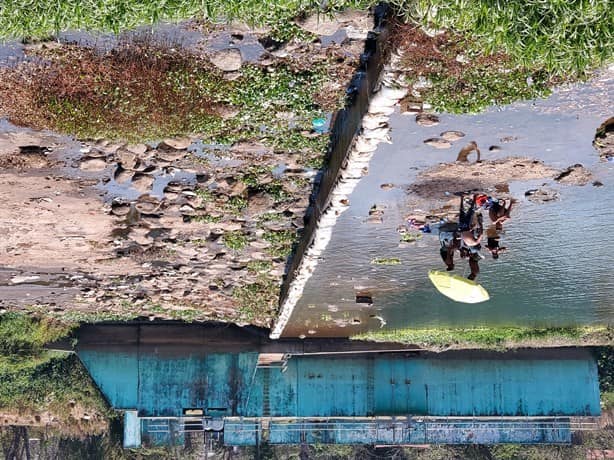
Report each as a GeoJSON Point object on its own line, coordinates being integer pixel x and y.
{"type": "Point", "coordinates": [352, 142]}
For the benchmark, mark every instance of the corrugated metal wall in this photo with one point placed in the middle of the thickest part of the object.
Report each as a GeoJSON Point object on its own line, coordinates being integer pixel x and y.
{"type": "Point", "coordinates": [383, 384]}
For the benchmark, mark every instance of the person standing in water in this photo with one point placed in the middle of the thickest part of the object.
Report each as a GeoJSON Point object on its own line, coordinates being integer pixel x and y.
{"type": "Point", "coordinates": [499, 211]}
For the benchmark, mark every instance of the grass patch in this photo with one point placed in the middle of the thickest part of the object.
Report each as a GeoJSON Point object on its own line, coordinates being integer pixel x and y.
{"type": "Point", "coordinates": [281, 242]}
{"type": "Point", "coordinates": [493, 337]}
{"type": "Point", "coordinates": [605, 366]}
{"type": "Point", "coordinates": [257, 300]}
{"type": "Point", "coordinates": [40, 18]}
{"type": "Point", "coordinates": [235, 240]}
{"type": "Point", "coordinates": [146, 90]}
{"type": "Point", "coordinates": [27, 335]}
{"type": "Point", "coordinates": [259, 266]}
{"type": "Point", "coordinates": [494, 53]}
{"type": "Point", "coordinates": [457, 79]}
{"type": "Point", "coordinates": [34, 380]}
{"type": "Point", "coordinates": [563, 38]}
{"type": "Point", "coordinates": [236, 205]}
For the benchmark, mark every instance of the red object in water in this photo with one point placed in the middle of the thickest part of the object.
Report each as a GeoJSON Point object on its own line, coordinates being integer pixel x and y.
{"type": "Point", "coordinates": [481, 200]}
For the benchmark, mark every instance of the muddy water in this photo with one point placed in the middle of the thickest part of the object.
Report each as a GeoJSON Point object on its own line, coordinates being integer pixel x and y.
{"type": "Point", "coordinates": [557, 270]}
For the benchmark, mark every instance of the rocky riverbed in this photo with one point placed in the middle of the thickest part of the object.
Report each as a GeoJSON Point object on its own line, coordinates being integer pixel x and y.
{"type": "Point", "coordinates": [177, 228]}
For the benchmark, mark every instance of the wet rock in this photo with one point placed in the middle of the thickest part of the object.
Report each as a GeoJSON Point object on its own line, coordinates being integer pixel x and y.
{"type": "Point", "coordinates": [604, 139]}
{"type": "Point", "coordinates": [148, 205]}
{"type": "Point", "coordinates": [438, 143]}
{"type": "Point", "coordinates": [108, 147]}
{"type": "Point", "coordinates": [188, 210]}
{"type": "Point", "coordinates": [259, 204]}
{"type": "Point", "coordinates": [427, 119]}
{"type": "Point", "coordinates": [137, 149]}
{"type": "Point", "coordinates": [24, 279]}
{"type": "Point", "coordinates": [228, 60]}
{"type": "Point", "coordinates": [250, 147]}
{"type": "Point", "coordinates": [452, 136]}
{"type": "Point", "coordinates": [93, 165]}
{"type": "Point", "coordinates": [120, 208]}
{"type": "Point", "coordinates": [175, 144]}
{"type": "Point", "coordinates": [122, 175]}
{"type": "Point", "coordinates": [319, 24]}
{"type": "Point", "coordinates": [597, 183]}
{"type": "Point", "coordinates": [170, 156]}
{"type": "Point", "coordinates": [574, 175]}
{"type": "Point", "coordinates": [127, 159]}
{"type": "Point", "coordinates": [142, 182]}
{"type": "Point", "coordinates": [502, 187]}
{"type": "Point", "coordinates": [494, 148]}
{"type": "Point", "coordinates": [237, 189]}
{"type": "Point", "coordinates": [542, 195]}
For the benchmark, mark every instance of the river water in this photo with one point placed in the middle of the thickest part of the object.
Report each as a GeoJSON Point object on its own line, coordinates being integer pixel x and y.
{"type": "Point", "coordinates": [557, 270]}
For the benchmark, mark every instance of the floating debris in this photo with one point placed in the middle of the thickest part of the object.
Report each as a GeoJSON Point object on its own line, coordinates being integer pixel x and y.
{"type": "Point", "coordinates": [386, 261]}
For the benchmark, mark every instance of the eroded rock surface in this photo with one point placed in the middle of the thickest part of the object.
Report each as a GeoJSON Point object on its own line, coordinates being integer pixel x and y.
{"type": "Point", "coordinates": [175, 231]}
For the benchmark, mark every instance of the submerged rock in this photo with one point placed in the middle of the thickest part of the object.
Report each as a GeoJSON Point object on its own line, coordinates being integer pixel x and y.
{"type": "Point", "coordinates": [574, 175]}
{"type": "Point", "coordinates": [438, 143]}
{"type": "Point", "coordinates": [542, 195]}
{"type": "Point", "coordinates": [452, 136]}
{"type": "Point", "coordinates": [427, 119]}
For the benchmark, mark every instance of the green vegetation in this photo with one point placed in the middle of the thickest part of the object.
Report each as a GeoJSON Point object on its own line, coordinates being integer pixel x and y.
{"type": "Point", "coordinates": [605, 365]}
{"type": "Point", "coordinates": [257, 300]}
{"type": "Point", "coordinates": [491, 337]}
{"type": "Point", "coordinates": [22, 334]}
{"type": "Point", "coordinates": [482, 86]}
{"type": "Point", "coordinates": [410, 237]}
{"type": "Point", "coordinates": [259, 266]}
{"type": "Point", "coordinates": [386, 261]}
{"type": "Point", "coordinates": [144, 90]}
{"type": "Point", "coordinates": [41, 18]}
{"type": "Point", "coordinates": [34, 380]}
{"type": "Point", "coordinates": [563, 38]}
{"type": "Point", "coordinates": [236, 204]}
{"type": "Point", "coordinates": [496, 53]}
{"type": "Point", "coordinates": [281, 242]}
{"type": "Point", "coordinates": [207, 219]}
{"type": "Point", "coordinates": [235, 240]}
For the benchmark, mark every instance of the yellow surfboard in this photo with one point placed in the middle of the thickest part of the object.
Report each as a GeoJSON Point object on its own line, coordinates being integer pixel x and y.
{"type": "Point", "coordinates": [458, 288]}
